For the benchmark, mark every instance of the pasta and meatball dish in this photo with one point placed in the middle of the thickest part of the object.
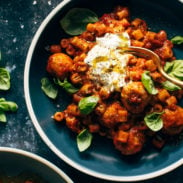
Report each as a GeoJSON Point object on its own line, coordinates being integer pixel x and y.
{"type": "Point", "coordinates": [111, 95]}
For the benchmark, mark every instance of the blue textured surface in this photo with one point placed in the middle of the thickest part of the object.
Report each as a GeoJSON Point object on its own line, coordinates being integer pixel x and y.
{"type": "Point", "coordinates": [19, 21]}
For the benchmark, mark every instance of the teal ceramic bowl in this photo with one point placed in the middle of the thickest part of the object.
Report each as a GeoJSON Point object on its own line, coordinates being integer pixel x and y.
{"type": "Point", "coordinates": [101, 160]}
{"type": "Point", "coordinates": [19, 164]}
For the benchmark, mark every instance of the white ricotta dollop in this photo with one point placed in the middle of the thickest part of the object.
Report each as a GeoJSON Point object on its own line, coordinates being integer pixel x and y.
{"type": "Point", "coordinates": [108, 62]}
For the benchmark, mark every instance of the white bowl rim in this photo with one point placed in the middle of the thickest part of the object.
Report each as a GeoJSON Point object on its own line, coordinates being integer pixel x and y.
{"type": "Point", "coordinates": [38, 159]}
{"type": "Point", "coordinates": [47, 140]}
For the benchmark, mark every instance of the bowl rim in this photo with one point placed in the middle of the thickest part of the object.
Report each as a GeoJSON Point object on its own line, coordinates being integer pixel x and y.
{"type": "Point", "coordinates": [47, 140]}
{"type": "Point", "coordinates": [37, 158]}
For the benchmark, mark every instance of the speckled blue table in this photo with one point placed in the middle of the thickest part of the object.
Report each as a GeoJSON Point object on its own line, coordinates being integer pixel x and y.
{"type": "Point", "coordinates": [19, 20]}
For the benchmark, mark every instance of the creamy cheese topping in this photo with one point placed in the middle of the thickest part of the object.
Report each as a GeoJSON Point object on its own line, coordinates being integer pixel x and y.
{"type": "Point", "coordinates": [108, 62]}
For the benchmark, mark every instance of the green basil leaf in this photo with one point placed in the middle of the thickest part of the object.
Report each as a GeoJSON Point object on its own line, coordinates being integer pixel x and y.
{"type": "Point", "coordinates": [4, 79]}
{"type": "Point", "coordinates": [75, 21]}
{"type": "Point", "coordinates": [177, 40]}
{"type": "Point", "coordinates": [174, 69]}
{"type": "Point", "coordinates": [148, 83]}
{"type": "Point", "coordinates": [2, 117]}
{"type": "Point", "coordinates": [154, 121]}
{"type": "Point", "coordinates": [49, 88]}
{"type": "Point", "coordinates": [170, 86]}
{"type": "Point", "coordinates": [2, 99]}
{"type": "Point", "coordinates": [87, 104]}
{"type": "Point", "coordinates": [168, 67]}
{"type": "Point", "coordinates": [67, 86]}
{"type": "Point", "coordinates": [8, 106]}
{"type": "Point", "coordinates": [84, 139]}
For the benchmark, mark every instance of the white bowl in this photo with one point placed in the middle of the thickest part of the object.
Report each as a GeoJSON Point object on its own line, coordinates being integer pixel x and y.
{"type": "Point", "coordinates": [14, 162]}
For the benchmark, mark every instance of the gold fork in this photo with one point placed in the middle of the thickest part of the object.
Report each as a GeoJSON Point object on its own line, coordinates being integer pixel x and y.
{"type": "Point", "coordinates": [148, 54]}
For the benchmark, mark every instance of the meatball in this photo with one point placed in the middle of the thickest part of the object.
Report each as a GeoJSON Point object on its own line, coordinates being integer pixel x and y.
{"type": "Point", "coordinates": [129, 142]}
{"type": "Point", "coordinates": [165, 52]}
{"type": "Point", "coordinates": [173, 120]}
{"type": "Point", "coordinates": [59, 64]}
{"type": "Point", "coordinates": [114, 114]}
{"type": "Point", "coordinates": [134, 97]}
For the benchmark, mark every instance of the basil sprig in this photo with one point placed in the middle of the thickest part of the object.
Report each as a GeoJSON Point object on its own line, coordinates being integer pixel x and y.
{"type": "Point", "coordinates": [49, 88]}
{"type": "Point", "coordinates": [4, 79]}
{"type": "Point", "coordinates": [174, 69]}
{"type": "Point", "coordinates": [84, 139]}
{"type": "Point", "coordinates": [75, 21]}
{"type": "Point", "coordinates": [154, 121]}
{"type": "Point", "coordinates": [66, 85]}
{"type": "Point", "coordinates": [87, 104]}
{"type": "Point", "coordinates": [177, 40]}
{"type": "Point", "coordinates": [148, 83]}
{"type": "Point", "coordinates": [2, 117]}
{"type": "Point", "coordinates": [6, 106]}
{"type": "Point", "coordinates": [170, 86]}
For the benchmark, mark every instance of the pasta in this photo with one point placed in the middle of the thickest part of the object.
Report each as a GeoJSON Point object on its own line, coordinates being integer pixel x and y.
{"type": "Point", "coordinates": [123, 109]}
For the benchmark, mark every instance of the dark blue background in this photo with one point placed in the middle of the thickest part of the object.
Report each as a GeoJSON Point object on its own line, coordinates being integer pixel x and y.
{"type": "Point", "coordinates": [19, 20]}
